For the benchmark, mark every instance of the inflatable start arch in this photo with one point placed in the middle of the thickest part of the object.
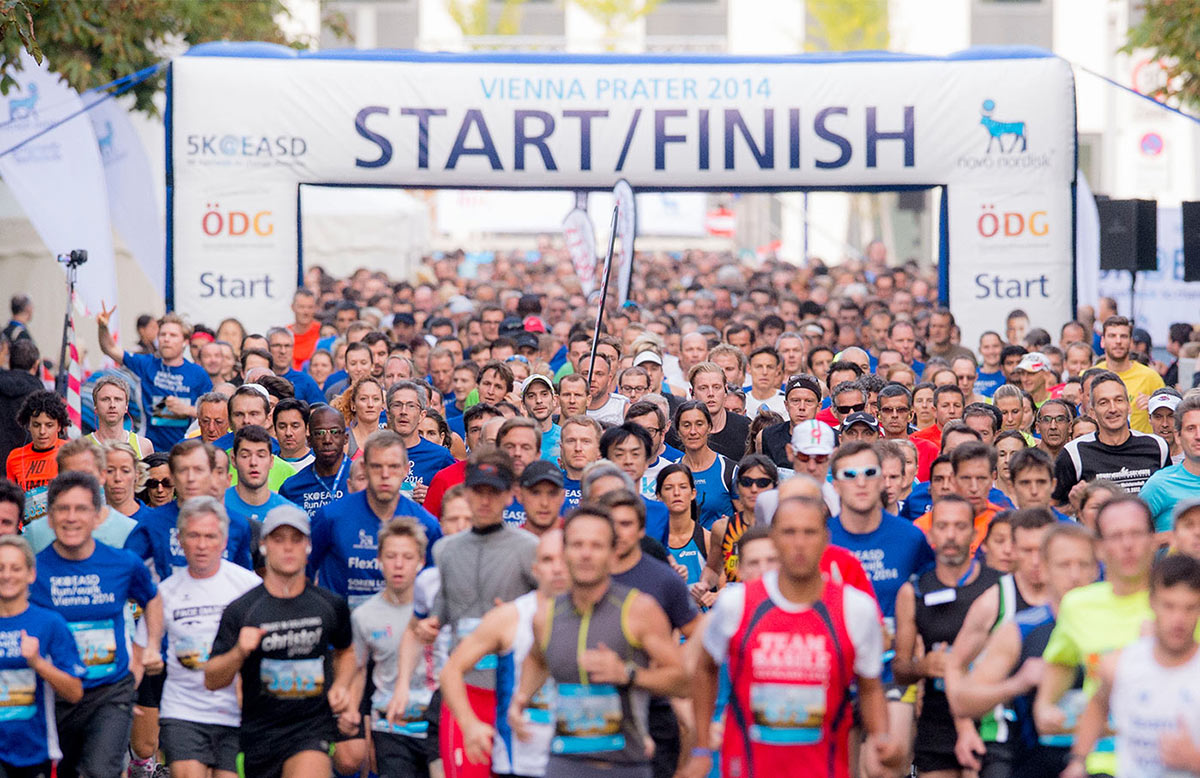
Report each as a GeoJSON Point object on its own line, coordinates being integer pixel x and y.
{"type": "Point", "coordinates": [247, 124]}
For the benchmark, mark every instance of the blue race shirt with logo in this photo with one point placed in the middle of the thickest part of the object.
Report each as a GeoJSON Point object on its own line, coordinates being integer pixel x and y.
{"type": "Point", "coordinates": [27, 705]}
{"type": "Point", "coordinates": [345, 543]}
{"type": "Point", "coordinates": [574, 491]}
{"type": "Point", "coordinates": [159, 382]}
{"type": "Point", "coordinates": [312, 492]}
{"type": "Point", "coordinates": [714, 491]}
{"type": "Point", "coordinates": [890, 555]}
{"type": "Point", "coordinates": [425, 460]}
{"type": "Point", "coordinates": [156, 537]}
{"type": "Point", "coordinates": [514, 514]}
{"type": "Point", "coordinates": [91, 595]}
{"type": "Point", "coordinates": [658, 520]}
{"type": "Point", "coordinates": [986, 384]}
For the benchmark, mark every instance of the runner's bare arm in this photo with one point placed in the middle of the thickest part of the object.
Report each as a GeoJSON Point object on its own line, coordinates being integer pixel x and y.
{"type": "Point", "coordinates": [665, 676]}
{"type": "Point", "coordinates": [904, 665]}
{"type": "Point", "coordinates": [534, 673]}
{"type": "Point", "coordinates": [1093, 721]}
{"type": "Point", "coordinates": [710, 576]}
{"type": "Point", "coordinates": [1056, 680]}
{"type": "Point", "coordinates": [152, 653]}
{"type": "Point", "coordinates": [885, 750]}
{"type": "Point", "coordinates": [989, 683]}
{"type": "Point", "coordinates": [344, 666]}
{"type": "Point", "coordinates": [493, 635]}
{"type": "Point", "coordinates": [107, 344]}
{"type": "Point", "coordinates": [406, 663]}
{"type": "Point", "coordinates": [66, 687]}
{"type": "Point", "coordinates": [704, 702]}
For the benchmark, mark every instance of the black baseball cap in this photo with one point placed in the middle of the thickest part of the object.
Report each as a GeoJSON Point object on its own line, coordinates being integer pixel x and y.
{"type": "Point", "coordinates": [860, 417]}
{"type": "Point", "coordinates": [527, 340]}
{"type": "Point", "coordinates": [539, 471]}
{"type": "Point", "coordinates": [511, 326]}
{"type": "Point", "coordinates": [498, 476]}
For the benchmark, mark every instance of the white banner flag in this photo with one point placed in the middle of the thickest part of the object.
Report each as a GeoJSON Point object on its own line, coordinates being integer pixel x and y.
{"type": "Point", "coordinates": [580, 238]}
{"type": "Point", "coordinates": [626, 232]}
{"type": "Point", "coordinates": [131, 185]}
{"type": "Point", "coordinates": [58, 178]}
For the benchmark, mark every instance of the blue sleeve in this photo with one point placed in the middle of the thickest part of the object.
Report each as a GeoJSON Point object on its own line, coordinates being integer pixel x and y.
{"type": "Point", "coordinates": [138, 364]}
{"type": "Point", "coordinates": [433, 533]}
{"type": "Point", "coordinates": [307, 389]}
{"type": "Point", "coordinates": [138, 541]}
{"type": "Point", "coordinates": [322, 539]}
{"type": "Point", "coordinates": [239, 553]}
{"type": "Point", "coordinates": [141, 586]}
{"type": "Point", "coordinates": [59, 646]}
{"type": "Point", "coordinates": [925, 556]}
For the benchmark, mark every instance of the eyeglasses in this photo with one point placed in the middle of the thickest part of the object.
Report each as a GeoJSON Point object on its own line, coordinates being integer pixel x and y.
{"type": "Point", "coordinates": [408, 406]}
{"type": "Point", "coordinates": [1053, 420]}
{"type": "Point", "coordinates": [894, 411]}
{"type": "Point", "coordinates": [159, 483]}
{"type": "Point", "coordinates": [652, 430]}
{"type": "Point", "coordinates": [326, 433]}
{"type": "Point", "coordinates": [851, 473]}
{"type": "Point", "coordinates": [518, 358]}
{"type": "Point", "coordinates": [820, 459]}
{"type": "Point", "coordinates": [625, 389]}
{"type": "Point", "coordinates": [847, 409]}
{"type": "Point", "coordinates": [762, 483]}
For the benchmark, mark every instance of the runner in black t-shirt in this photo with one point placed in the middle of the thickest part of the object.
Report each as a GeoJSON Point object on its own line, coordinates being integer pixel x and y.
{"type": "Point", "coordinates": [291, 642]}
{"type": "Point", "coordinates": [1113, 452]}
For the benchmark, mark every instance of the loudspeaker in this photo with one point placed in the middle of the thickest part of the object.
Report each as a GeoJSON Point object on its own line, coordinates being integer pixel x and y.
{"type": "Point", "coordinates": [1128, 234]}
{"type": "Point", "coordinates": [1191, 241]}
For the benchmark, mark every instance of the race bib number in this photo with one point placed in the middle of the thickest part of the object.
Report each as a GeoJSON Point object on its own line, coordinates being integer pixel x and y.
{"type": "Point", "coordinates": [587, 719]}
{"type": "Point", "coordinates": [412, 722]}
{"type": "Point", "coordinates": [541, 705]}
{"type": "Point", "coordinates": [36, 504]}
{"type": "Point", "coordinates": [97, 644]}
{"type": "Point", "coordinates": [293, 679]}
{"type": "Point", "coordinates": [192, 651]}
{"type": "Point", "coordinates": [18, 693]}
{"type": "Point", "coordinates": [787, 714]}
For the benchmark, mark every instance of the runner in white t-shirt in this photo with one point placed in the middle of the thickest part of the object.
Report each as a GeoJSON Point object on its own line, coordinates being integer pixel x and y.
{"type": "Point", "coordinates": [199, 728]}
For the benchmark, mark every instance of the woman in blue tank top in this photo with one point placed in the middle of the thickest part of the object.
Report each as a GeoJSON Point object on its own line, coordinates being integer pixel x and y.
{"type": "Point", "coordinates": [688, 541]}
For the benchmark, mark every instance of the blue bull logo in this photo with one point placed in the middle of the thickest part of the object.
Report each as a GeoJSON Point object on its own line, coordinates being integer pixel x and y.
{"type": "Point", "coordinates": [997, 130]}
{"type": "Point", "coordinates": [23, 107]}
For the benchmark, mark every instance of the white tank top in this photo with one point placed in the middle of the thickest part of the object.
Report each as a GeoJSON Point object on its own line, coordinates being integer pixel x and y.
{"type": "Point", "coordinates": [509, 754]}
{"type": "Point", "coordinates": [1148, 701]}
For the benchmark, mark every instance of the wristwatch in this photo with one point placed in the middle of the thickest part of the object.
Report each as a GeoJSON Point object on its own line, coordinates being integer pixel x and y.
{"type": "Point", "coordinates": [631, 669]}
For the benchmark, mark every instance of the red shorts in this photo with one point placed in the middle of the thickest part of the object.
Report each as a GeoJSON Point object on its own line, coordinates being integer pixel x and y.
{"type": "Point", "coordinates": [454, 755]}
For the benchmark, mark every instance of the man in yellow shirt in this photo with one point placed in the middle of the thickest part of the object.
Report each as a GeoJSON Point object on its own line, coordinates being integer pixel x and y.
{"type": "Point", "coordinates": [1097, 619]}
{"type": "Point", "coordinates": [1116, 338]}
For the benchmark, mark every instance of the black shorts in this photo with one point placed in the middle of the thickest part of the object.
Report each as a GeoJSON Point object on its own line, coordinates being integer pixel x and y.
{"type": "Point", "coordinates": [930, 761]}
{"type": "Point", "coordinates": [29, 771]}
{"type": "Point", "coordinates": [400, 756]}
{"type": "Point", "coordinates": [94, 732]}
{"type": "Point", "coordinates": [433, 714]}
{"type": "Point", "coordinates": [212, 745]}
{"type": "Point", "coordinates": [663, 729]}
{"type": "Point", "coordinates": [149, 691]}
{"type": "Point", "coordinates": [265, 758]}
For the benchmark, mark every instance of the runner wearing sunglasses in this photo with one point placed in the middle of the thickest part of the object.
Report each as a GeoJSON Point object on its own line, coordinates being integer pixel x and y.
{"type": "Point", "coordinates": [891, 551]}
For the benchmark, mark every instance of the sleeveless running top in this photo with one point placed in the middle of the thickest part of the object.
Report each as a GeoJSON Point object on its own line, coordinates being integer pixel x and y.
{"type": "Point", "coordinates": [790, 673]}
{"type": "Point", "coordinates": [598, 722]}
{"type": "Point", "coordinates": [940, 612]}
{"type": "Point", "coordinates": [994, 725]}
{"type": "Point", "coordinates": [692, 554]}
{"type": "Point", "coordinates": [132, 441]}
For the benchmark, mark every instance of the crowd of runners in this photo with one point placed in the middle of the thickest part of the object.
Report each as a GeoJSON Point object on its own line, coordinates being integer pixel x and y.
{"type": "Point", "coordinates": [772, 521]}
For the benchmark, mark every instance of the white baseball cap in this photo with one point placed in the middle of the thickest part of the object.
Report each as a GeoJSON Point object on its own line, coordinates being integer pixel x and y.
{"type": "Point", "coordinates": [815, 438]}
{"type": "Point", "coordinates": [1163, 399]}
{"type": "Point", "coordinates": [1034, 362]}
{"type": "Point", "coordinates": [646, 356]}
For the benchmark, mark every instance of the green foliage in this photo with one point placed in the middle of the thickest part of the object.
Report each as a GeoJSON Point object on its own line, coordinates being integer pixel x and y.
{"type": "Point", "coordinates": [473, 18]}
{"type": "Point", "coordinates": [847, 25]}
{"type": "Point", "coordinates": [1171, 30]}
{"type": "Point", "coordinates": [615, 15]}
{"type": "Point", "coordinates": [93, 42]}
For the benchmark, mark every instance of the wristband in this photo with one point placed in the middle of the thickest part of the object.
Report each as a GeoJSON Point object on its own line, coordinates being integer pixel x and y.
{"type": "Point", "coordinates": [698, 752]}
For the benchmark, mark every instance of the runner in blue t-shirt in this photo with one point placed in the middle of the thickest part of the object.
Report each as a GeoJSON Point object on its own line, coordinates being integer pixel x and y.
{"type": "Point", "coordinates": [156, 538]}
{"type": "Point", "coordinates": [170, 385]}
{"type": "Point", "coordinates": [325, 479]}
{"type": "Point", "coordinates": [37, 655]}
{"type": "Point", "coordinates": [345, 533]}
{"type": "Point", "coordinates": [89, 583]}
{"type": "Point", "coordinates": [579, 446]}
{"type": "Point", "coordinates": [407, 402]}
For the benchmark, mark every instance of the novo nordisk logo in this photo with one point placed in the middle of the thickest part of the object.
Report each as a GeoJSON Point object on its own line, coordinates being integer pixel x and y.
{"type": "Point", "coordinates": [998, 130]}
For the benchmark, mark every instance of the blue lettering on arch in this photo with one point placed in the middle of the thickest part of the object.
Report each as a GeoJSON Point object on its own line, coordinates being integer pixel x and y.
{"type": "Point", "coordinates": [765, 157]}
{"type": "Point", "coordinates": [908, 135]}
{"type": "Point", "coordinates": [824, 133]}
{"type": "Point", "coordinates": [385, 145]}
{"type": "Point", "coordinates": [422, 115]}
{"type": "Point", "coordinates": [661, 138]}
{"type": "Point", "coordinates": [521, 139]}
{"type": "Point", "coordinates": [487, 147]}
